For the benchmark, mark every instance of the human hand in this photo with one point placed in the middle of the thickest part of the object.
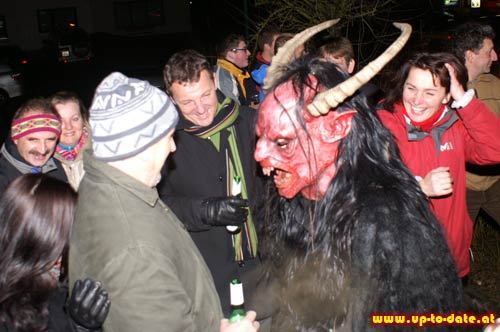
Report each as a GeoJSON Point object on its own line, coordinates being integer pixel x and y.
{"type": "Point", "coordinates": [437, 182]}
{"type": "Point", "coordinates": [89, 305]}
{"type": "Point", "coordinates": [456, 89]}
{"type": "Point", "coordinates": [495, 327]}
{"type": "Point", "coordinates": [223, 211]}
{"type": "Point", "coordinates": [246, 325]}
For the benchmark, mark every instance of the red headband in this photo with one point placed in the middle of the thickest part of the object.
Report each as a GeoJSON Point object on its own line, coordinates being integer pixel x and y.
{"type": "Point", "coordinates": [35, 123]}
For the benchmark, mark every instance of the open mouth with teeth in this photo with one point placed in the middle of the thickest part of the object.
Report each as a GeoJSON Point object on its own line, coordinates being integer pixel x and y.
{"type": "Point", "coordinates": [282, 178]}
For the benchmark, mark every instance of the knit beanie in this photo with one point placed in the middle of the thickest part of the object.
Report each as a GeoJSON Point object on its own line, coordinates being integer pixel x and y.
{"type": "Point", "coordinates": [127, 116]}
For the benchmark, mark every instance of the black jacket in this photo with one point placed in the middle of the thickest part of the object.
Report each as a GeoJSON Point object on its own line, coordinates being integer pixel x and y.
{"type": "Point", "coordinates": [9, 172]}
{"type": "Point", "coordinates": [197, 170]}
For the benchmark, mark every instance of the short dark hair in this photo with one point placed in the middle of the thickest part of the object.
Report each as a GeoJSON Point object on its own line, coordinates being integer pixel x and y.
{"type": "Point", "coordinates": [470, 37]}
{"type": "Point", "coordinates": [230, 42]}
{"type": "Point", "coordinates": [38, 105]}
{"type": "Point", "coordinates": [36, 215]}
{"type": "Point", "coordinates": [433, 62]}
{"type": "Point", "coordinates": [185, 67]}
{"type": "Point", "coordinates": [63, 97]}
{"type": "Point", "coordinates": [267, 36]}
{"type": "Point", "coordinates": [338, 47]}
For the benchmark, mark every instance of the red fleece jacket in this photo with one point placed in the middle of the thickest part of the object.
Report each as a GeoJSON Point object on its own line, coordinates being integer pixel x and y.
{"type": "Point", "coordinates": [474, 137]}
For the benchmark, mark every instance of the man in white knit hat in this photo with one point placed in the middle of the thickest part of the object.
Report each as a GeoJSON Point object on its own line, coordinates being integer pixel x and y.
{"type": "Point", "coordinates": [124, 235]}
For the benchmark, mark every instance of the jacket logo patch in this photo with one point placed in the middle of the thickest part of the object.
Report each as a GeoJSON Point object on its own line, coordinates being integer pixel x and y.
{"type": "Point", "coordinates": [446, 147]}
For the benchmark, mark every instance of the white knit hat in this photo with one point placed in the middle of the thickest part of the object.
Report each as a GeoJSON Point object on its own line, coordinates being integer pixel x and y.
{"type": "Point", "coordinates": [127, 116]}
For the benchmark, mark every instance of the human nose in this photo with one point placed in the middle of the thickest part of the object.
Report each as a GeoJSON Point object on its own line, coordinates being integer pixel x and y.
{"type": "Point", "coordinates": [418, 98]}
{"type": "Point", "coordinates": [494, 56]}
{"type": "Point", "coordinates": [198, 107]}
{"type": "Point", "coordinates": [43, 147]}
{"type": "Point", "coordinates": [66, 125]}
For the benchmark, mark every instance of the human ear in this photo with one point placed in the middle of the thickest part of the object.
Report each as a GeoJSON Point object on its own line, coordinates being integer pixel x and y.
{"type": "Point", "coordinates": [469, 55]}
{"type": "Point", "coordinates": [336, 125]}
{"type": "Point", "coordinates": [446, 98]}
{"type": "Point", "coordinates": [350, 66]}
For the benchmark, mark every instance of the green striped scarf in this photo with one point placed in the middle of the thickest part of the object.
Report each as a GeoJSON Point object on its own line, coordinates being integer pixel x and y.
{"type": "Point", "coordinates": [227, 112]}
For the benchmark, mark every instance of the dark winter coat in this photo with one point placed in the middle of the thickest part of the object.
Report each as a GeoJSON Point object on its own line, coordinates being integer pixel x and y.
{"type": "Point", "coordinates": [196, 171]}
{"type": "Point", "coordinates": [125, 237]}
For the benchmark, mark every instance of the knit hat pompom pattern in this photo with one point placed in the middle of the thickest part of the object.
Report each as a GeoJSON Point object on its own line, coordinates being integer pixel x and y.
{"type": "Point", "coordinates": [127, 116]}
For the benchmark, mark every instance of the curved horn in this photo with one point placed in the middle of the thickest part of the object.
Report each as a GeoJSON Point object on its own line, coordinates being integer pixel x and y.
{"type": "Point", "coordinates": [326, 100]}
{"type": "Point", "coordinates": [285, 52]}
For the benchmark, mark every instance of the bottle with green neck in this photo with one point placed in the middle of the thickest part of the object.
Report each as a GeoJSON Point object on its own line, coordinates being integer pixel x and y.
{"type": "Point", "coordinates": [237, 301]}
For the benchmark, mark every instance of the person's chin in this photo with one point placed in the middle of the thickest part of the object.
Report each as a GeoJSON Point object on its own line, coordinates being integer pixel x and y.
{"type": "Point", "coordinates": [206, 122]}
{"type": "Point", "coordinates": [68, 143]}
{"type": "Point", "coordinates": [38, 162]}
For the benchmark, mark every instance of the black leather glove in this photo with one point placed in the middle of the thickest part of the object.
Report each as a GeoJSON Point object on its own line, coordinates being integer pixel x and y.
{"type": "Point", "coordinates": [89, 305]}
{"type": "Point", "coordinates": [223, 211]}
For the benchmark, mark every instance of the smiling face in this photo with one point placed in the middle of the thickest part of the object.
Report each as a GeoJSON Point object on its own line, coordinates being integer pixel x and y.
{"type": "Point", "coordinates": [423, 94]}
{"type": "Point", "coordinates": [197, 101]}
{"type": "Point", "coordinates": [36, 148]}
{"type": "Point", "coordinates": [72, 122]}
{"type": "Point", "coordinates": [301, 160]}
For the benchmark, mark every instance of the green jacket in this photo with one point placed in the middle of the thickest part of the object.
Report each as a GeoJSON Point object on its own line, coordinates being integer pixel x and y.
{"type": "Point", "coordinates": [128, 239]}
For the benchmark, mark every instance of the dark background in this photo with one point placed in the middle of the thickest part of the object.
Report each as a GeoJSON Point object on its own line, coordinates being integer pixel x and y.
{"type": "Point", "coordinates": [144, 56]}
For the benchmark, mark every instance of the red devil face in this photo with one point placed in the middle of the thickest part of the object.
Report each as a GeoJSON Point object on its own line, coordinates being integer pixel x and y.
{"type": "Point", "coordinates": [302, 159]}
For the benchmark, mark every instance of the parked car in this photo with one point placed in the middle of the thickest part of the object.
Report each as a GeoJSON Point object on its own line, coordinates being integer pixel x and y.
{"type": "Point", "coordinates": [12, 62]}
{"type": "Point", "coordinates": [10, 83]}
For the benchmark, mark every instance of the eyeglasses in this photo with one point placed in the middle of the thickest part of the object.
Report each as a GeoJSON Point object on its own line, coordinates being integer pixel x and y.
{"type": "Point", "coordinates": [244, 49]}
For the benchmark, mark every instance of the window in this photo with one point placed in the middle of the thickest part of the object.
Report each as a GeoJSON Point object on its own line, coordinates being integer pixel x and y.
{"type": "Point", "coordinates": [138, 14]}
{"type": "Point", "coordinates": [56, 19]}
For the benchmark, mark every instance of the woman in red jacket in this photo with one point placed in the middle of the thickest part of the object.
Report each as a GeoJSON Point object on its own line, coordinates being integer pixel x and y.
{"type": "Point", "coordinates": [438, 127]}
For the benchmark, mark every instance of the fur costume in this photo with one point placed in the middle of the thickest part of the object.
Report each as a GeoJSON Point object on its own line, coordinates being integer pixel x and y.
{"type": "Point", "coordinates": [364, 243]}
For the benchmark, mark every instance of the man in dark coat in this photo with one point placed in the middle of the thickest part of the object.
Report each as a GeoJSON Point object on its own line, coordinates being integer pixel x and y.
{"type": "Point", "coordinates": [33, 137]}
{"type": "Point", "coordinates": [211, 179]}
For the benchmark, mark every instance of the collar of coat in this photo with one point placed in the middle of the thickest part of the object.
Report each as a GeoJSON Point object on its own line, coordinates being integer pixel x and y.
{"type": "Point", "coordinates": [107, 173]}
{"type": "Point", "coordinates": [240, 74]}
{"type": "Point", "coordinates": [447, 120]}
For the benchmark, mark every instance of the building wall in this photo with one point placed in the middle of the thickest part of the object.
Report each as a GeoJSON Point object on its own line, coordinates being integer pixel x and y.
{"type": "Point", "coordinates": [92, 15]}
{"type": "Point", "coordinates": [176, 13]}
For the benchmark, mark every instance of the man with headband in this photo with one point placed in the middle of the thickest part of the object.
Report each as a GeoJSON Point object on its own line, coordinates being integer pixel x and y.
{"type": "Point", "coordinates": [29, 148]}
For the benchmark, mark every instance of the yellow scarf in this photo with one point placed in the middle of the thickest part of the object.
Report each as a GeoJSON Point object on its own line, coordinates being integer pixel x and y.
{"type": "Point", "coordinates": [240, 74]}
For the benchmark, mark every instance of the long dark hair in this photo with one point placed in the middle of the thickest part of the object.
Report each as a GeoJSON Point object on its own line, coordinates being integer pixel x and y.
{"type": "Point", "coordinates": [368, 149]}
{"type": "Point", "coordinates": [311, 241]}
{"type": "Point", "coordinates": [433, 62]}
{"type": "Point", "coordinates": [36, 215]}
